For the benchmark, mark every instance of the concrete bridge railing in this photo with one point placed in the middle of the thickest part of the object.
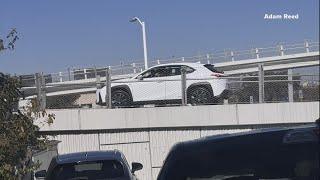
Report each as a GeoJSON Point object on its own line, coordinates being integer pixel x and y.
{"type": "Point", "coordinates": [183, 116]}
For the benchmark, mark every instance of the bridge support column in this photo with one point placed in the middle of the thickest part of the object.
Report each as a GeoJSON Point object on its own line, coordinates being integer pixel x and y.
{"type": "Point", "coordinates": [290, 86]}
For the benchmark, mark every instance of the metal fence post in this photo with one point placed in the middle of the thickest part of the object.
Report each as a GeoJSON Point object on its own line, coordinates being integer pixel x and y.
{"type": "Point", "coordinates": [69, 74]}
{"type": "Point", "coordinates": [208, 58]}
{"type": "Point", "coordinates": [108, 88]}
{"type": "Point", "coordinates": [134, 68]}
{"type": "Point", "coordinates": [98, 82]}
{"type": "Point", "coordinates": [281, 50]}
{"type": "Point", "coordinates": [85, 73]}
{"type": "Point", "coordinates": [60, 77]}
{"type": "Point", "coordinates": [183, 86]}
{"type": "Point", "coordinates": [38, 88]}
{"type": "Point", "coordinates": [40, 91]}
{"type": "Point", "coordinates": [261, 83]}
{"type": "Point", "coordinates": [307, 46]}
{"type": "Point", "coordinates": [300, 95]}
{"type": "Point", "coordinates": [95, 71]}
{"type": "Point", "coordinates": [290, 86]}
{"type": "Point", "coordinates": [257, 53]}
{"type": "Point", "coordinates": [232, 56]}
{"type": "Point", "coordinates": [43, 92]}
{"type": "Point", "coordinates": [98, 86]}
{"type": "Point", "coordinates": [122, 67]}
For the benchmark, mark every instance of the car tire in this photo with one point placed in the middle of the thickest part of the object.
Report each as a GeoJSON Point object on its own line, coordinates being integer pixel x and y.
{"type": "Point", "coordinates": [199, 95]}
{"type": "Point", "coordinates": [120, 98]}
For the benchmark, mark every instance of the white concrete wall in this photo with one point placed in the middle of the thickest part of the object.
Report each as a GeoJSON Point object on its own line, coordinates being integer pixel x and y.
{"type": "Point", "coordinates": [153, 131]}
{"type": "Point", "coordinates": [183, 116]}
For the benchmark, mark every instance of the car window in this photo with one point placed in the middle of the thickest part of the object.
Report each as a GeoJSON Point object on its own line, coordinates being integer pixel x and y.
{"type": "Point", "coordinates": [189, 69]}
{"type": "Point", "coordinates": [163, 71]}
{"type": "Point", "coordinates": [176, 70]}
{"type": "Point", "coordinates": [89, 170]}
{"type": "Point", "coordinates": [173, 70]}
{"type": "Point", "coordinates": [154, 72]}
{"type": "Point", "coordinates": [148, 74]}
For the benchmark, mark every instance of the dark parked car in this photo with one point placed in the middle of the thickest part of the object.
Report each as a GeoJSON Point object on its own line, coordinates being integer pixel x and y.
{"type": "Point", "coordinates": [95, 165]}
{"type": "Point", "coordinates": [273, 153]}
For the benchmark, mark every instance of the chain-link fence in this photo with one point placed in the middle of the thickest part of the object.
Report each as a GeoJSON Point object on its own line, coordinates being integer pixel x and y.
{"type": "Point", "coordinates": [177, 85]}
{"type": "Point", "coordinates": [276, 88]}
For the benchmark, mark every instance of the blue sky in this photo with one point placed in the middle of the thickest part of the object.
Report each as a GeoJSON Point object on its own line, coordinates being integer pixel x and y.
{"type": "Point", "coordinates": [55, 35]}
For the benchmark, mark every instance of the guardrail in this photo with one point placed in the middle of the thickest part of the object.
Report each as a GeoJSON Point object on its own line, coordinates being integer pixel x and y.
{"type": "Point", "coordinates": [210, 58]}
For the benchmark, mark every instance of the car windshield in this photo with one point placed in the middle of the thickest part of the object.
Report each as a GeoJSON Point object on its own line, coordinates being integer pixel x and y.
{"type": "Point", "coordinates": [250, 162]}
{"type": "Point", "coordinates": [108, 169]}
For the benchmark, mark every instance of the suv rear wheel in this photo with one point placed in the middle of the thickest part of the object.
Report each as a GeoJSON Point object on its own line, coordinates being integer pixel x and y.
{"type": "Point", "coordinates": [200, 95]}
{"type": "Point", "coordinates": [120, 98]}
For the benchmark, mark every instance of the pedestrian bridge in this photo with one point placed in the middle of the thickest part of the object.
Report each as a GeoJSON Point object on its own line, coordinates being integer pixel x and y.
{"type": "Point", "coordinates": [146, 134]}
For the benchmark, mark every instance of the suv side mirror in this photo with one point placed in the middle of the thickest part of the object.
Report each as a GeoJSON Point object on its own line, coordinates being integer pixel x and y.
{"type": "Point", "coordinates": [40, 174]}
{"type": "Point", "coordinates": [136, 167]}
{"type": "Point", "coordinates": [140, 77]}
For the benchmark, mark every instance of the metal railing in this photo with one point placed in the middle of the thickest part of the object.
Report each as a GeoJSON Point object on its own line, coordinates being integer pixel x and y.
{"type": "Point", "coordinates": [261, 87]}
{"type": "Point", "coordinates": [210, 58]}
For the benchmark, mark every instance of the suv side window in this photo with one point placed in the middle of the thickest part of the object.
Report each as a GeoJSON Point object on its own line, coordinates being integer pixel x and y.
{"type": "Point", "coordinates": [189, 69]}
{"type": "Point", "coordinates": [155, 72]}
{"type": "Point", "coordinates": [176, 70]}
{"type": "Point", "coordinates": [147, 74]}
{"type": "Point", "coordinates": [163, 71]}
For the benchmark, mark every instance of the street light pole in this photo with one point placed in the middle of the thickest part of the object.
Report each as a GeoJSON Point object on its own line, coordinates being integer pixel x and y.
{"type": "Point", "coordinates": [145, 54]}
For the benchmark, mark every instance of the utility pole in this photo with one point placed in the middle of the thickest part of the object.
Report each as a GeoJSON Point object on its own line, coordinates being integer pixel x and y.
{"type": "Point", "coordinates": [144, 39]}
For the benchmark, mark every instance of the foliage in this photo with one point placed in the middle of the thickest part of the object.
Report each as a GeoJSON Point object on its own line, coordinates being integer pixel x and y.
{"type": "Point", "coordinates": [18, 134]}
{"type": "Point", "coordinates": [12, 37]}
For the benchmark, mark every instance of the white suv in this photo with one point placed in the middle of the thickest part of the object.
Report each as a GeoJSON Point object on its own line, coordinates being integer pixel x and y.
{"type": "Point", "coordinates": [161, 84]}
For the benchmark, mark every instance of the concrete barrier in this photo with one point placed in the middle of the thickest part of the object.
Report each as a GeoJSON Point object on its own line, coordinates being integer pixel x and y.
{"type": "Point", "coordinates": [146, 134]}
{"type": "Point", "coordinates": [183, 116]}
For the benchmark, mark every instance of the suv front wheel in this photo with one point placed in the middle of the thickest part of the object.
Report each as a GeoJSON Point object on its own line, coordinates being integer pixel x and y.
{"type": "Point", "coordinates": [120, 98]}
{"type": "Point", "coordinates": [200, 95]}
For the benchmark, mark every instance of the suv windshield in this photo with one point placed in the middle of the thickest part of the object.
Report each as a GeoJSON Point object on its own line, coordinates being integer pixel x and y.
{"type": "Point", "coordinates": [88, 170]}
